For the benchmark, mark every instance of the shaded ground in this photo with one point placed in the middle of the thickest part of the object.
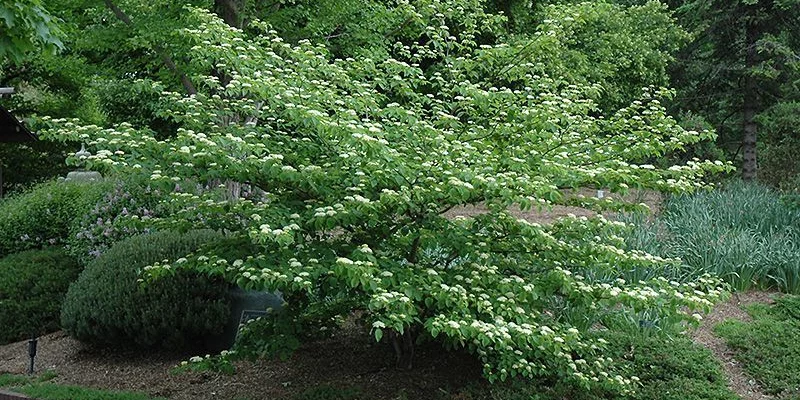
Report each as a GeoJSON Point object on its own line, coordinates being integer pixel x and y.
{"type": "Point", "coordinates": [350, 360]}
{"type": "Point", "coordinates": [738, 381]}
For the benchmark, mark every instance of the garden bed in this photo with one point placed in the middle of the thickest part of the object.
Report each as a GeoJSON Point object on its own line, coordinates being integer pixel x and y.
{"type": "Point", "coordinates": [348, 366]}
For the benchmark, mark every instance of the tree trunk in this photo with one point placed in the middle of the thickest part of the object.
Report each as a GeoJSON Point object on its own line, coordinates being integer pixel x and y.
{"type": "Point", "coordinates": [750, 105]}
{"type": "Point", "coordinates": [403, 348]}
{"type": "Point", "coordinates": [231, 11]}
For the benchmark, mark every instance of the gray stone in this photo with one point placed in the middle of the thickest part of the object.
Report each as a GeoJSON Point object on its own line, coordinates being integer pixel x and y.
{"type": "Point", "coordinates": [84, 176]}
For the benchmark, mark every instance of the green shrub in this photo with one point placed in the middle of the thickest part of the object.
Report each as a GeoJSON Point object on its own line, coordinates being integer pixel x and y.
{"type": "Point", "coordinates": [769, 346]}
{"type": "Point", "coordinates": [108, 307]}
{"type": "Point", "coordinates": [43, 215]}
{"type": "Point", "coordinates": [787, 307]}
{"type": "Point", "coordinates": [744, 233]}
{"type": "Point", "coordinates": [32, 287]}
{"type": "Point", "coordinates": [668, 369]}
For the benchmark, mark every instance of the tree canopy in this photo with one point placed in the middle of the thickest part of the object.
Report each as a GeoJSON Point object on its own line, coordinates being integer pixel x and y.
{"type": "Point", "coordinates": [26, 26]}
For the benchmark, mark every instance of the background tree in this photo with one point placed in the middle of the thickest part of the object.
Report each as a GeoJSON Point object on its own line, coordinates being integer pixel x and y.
{"type": "Point", "coordinates": [740, 73]}
{"type": "Point", "coordinates": [25, 27]}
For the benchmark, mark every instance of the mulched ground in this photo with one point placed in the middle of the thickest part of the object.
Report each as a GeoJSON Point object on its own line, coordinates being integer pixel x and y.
{"type": "Point", "coordinates": [350, 360]}
{"type": "Point", "coordinates": [547, 216]}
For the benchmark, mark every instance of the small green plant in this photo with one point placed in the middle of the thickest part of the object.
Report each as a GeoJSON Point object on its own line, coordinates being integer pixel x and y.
{"type": "Point", "coordinates": [32, 286]}
{"type": "Point", "coordinates": [219, 363]}
{"type": "Point", "coordinates": [175, 312]}
{"type": "Point", "coordinates": [769, 346]}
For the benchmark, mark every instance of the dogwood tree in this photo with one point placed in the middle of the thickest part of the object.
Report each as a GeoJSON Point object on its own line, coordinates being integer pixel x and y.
{"type": "Point", "coordinates": [352, 164]}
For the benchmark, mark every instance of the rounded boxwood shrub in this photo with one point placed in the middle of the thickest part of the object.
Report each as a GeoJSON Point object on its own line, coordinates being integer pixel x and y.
{"type": "Point", "coordinates": [32, 287]}
{"type": "Point", "coordinates": [44, 215]}
{"type": "Point", "coordinates": [108, 307]}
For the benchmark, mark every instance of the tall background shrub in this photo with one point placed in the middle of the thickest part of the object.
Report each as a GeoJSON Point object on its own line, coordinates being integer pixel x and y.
{"type": "Point", "coordinates": [43, 216]}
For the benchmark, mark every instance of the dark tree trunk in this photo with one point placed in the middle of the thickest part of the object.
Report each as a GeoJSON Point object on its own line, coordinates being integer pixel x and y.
{"type": "Point", "coordinates": [750, 105]}
{"type": "Point", "coordinates": [403, 348]}
{"type": "Point", "coordinates": [231, 11]}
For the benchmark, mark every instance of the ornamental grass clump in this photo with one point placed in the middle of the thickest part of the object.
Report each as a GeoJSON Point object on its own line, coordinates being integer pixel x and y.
{"type": "Point", "coordinates": [743, 233]}
{"type": "Point", "coordinates": [107, 306]}
{"type": "Point", "coordinates": [360, 159]}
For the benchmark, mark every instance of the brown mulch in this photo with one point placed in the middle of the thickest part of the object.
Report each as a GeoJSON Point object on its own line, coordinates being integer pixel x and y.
{"type": "Point", "coordinates": [738, 381]}
{"type": "Point", "coordinates": [351, 360]}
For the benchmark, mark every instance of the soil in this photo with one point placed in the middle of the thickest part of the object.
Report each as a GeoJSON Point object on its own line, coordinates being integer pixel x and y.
{"type": "Point", "coordinates": [351, 360]}
{"type": "Point", "coordinates": [549, 215]}
{"type": "Point", "coordinates": [738, 381]}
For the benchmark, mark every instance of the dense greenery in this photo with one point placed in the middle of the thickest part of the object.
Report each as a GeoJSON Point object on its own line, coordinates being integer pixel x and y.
{"type": "Point", "coordinates": [108, 307]}
{"type": "Point", "coordinates": [32, 286]}
{"type": "Point", "coordinates": [26, 26]}
{"type": "Point", "coordinates": [769, 346]}
{"type": "Point", "coordinates": [744, 233]}
{"type": "Point", "coordinates": [332, 136]}
{"type": "Point", "coordinates": [43, 216]}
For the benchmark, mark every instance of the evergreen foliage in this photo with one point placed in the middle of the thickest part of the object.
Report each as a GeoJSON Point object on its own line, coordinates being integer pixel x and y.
{"type": "Point", "coordinates": [108, 307]}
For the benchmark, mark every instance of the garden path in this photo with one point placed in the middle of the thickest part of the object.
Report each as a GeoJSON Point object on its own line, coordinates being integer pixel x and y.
{"type": "Point", "coordinates": [738, 380]}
